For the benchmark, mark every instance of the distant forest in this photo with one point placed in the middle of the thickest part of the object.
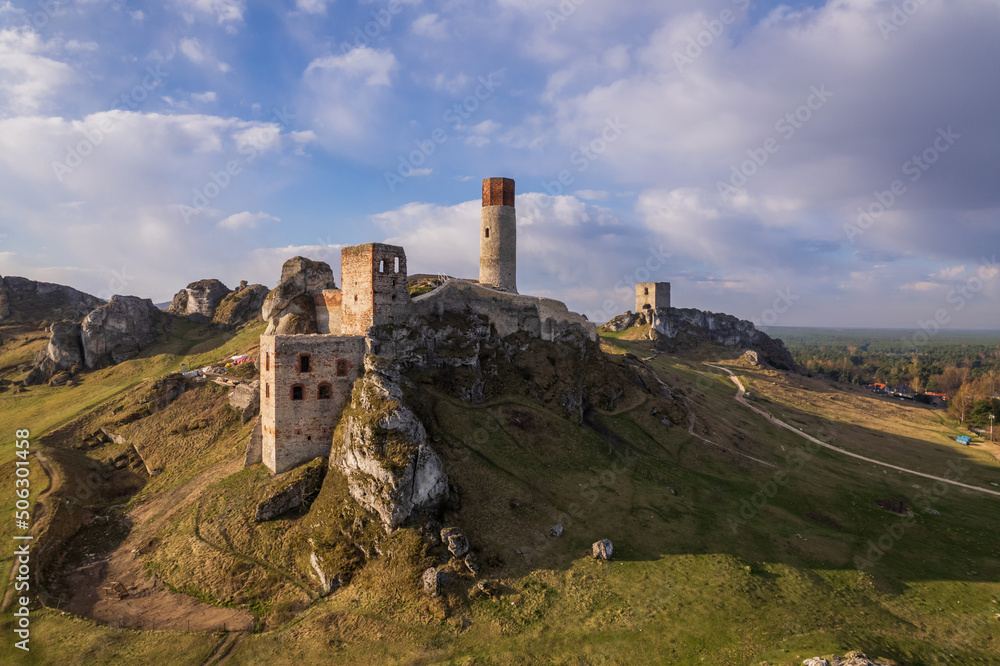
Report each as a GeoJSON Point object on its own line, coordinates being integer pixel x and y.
{"type": "Point", "coordinates": [965, 365]}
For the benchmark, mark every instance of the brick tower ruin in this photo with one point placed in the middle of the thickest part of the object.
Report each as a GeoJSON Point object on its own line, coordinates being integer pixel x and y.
{"type": "Point", "coordinates": [498, 236]}
{"type": "Point", "coordinates": [306, 382]}
{"type": "Point", "coordinates": [652, 296]}
{"type": "Point", "coordinates": [373, 286]}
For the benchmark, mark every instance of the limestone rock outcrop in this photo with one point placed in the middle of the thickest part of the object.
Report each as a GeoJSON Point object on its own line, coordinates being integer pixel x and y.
{"type": "Point", "coordinates": [64, 352]}
{"type": "Point", "coordinates": [241, 306]}
{"type": "Point", "coordinates": [455, 540]}
{"type": "Point", "coordinates": [674, 327]}
{"type": "Point", "coordinates": [245, 399]}
{"type": "Point", "coordinates": [199, 300]}
{"type": "Point", "coordinates": [603, 550]}
{"type": "Point", "coordinates": [120, 330]}
{"type": "Point", "coordinates": [296, 492]}
{"type": "Point", "coordinates": [22, 299]}
{"type": "Point", "coordinates": [390, 469]}
{"type": "Point", "coordinates": [114, 332]}
{"type": "Point", "coordinates": [289, 308]}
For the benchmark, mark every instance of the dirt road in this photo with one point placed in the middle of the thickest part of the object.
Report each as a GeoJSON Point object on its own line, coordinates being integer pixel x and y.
{"type": "Point", "coordinates": [740, 398]}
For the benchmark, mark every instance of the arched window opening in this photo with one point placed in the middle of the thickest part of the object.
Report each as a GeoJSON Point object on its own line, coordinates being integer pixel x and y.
{"type": "Point", "coordinates": [381, 266]}
{"type": "Point", "coordinates": [341, 368]}
{"type": "Point", "coordinates": [267, 362]}
{"type": "Point", "coordinates": [297, 392]}
{"type": "Point", "coordinates": [267, 390]}
{"type": "Point", "coordinates": [304, 363]}
{"type": "Point", "coordinates": [487, 232]}
{"type": "Point", "coordinates": [397, 264]}
{"type": "Point", "coordinates": [645, 291]}
{"type": "Point", "coordinates": [325, 392]}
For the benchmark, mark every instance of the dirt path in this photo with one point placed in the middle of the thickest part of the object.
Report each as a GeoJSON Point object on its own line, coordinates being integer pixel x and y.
{"type": "Point", "coordinates": [691, 422]}
{"type": "Point", "coordinates": [225, 649]}
{"type": "Point", "coordinates": [740, 398]}
{"type": "Point", "coordinates": [115, 589]}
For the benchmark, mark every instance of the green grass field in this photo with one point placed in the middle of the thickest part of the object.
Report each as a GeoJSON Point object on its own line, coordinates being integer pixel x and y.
{"type": "Point", "coordinates": [718, 559]}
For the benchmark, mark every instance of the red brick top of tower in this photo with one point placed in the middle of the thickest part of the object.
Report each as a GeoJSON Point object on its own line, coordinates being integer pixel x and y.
{"type": "Point", "coordinates": [498, 192]}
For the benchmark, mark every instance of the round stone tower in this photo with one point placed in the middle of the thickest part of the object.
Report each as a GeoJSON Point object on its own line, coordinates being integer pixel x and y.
{"type": "Point", "coordinates": [498, 236]}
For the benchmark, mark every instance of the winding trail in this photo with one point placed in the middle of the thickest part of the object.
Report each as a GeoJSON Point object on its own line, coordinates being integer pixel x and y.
{"type": "Point", "coordinates": [740, 398]}
{"type": "Point", "coordinates": [55, 480]}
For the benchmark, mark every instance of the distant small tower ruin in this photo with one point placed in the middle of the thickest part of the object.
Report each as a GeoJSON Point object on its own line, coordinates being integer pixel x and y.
{"type": "Point", "coordinates": [498, 236]}
{"type": "Point", "coordinates": [652, 296]}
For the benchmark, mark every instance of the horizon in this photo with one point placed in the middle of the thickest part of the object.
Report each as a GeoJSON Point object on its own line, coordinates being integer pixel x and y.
{"type": "Point", "coordinates": [730, 149]}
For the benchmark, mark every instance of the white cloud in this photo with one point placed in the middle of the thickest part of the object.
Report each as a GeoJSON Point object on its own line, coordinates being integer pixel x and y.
{"type": "Point", "coordinates": [312, 6]}
{"type": "Point", "coordinates": [951, 273]}
{"type": "Point", "coordinates": [431, 26]}
{"type": "Point", "coordinates": [348, 98]}
{"type": "Point", "coordinates": [27, 78]}
{"type": "Point", "coordinates": [208, 96]}
{"type": "Point", "coordinates": [223, 10]}
{"type": "Point", "coordinates": [191, 47]}
{"type": "Point", "coordinates": [375, 66]}
{"type": "Point", "coordinates": [246, 220]}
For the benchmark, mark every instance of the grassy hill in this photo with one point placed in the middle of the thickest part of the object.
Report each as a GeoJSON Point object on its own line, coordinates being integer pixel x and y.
{"type": "Point", "coordinates": [735, 541]}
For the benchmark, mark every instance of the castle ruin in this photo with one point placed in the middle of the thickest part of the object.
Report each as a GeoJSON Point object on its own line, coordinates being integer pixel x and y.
{"type": "Point", "coordinates": [307, 380]}
{"type": "Point", "coordinates": [652, 296]}
{"type": "Point", "coordinates": [498, 239]}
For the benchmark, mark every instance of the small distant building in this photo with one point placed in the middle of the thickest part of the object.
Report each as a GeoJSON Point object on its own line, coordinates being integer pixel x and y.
{"type": "Point", "coordinates": [652, 296]}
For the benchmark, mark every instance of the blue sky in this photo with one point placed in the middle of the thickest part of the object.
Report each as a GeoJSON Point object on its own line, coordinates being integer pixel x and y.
{"type": "Point", "coordinates": [829, 164]}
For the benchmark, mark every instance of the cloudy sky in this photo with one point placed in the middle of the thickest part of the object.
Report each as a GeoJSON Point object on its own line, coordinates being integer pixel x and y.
{"type": "Point", "coordinates": [802, 163]}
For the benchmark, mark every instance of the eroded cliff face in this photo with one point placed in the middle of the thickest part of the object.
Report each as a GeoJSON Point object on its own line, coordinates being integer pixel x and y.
{"type": "Point", "coordinates": [110, 334]}
{"type": "Point", "coordinates": [119, 330]}
{"type": "Point", "coordinates": [199, 300]}
{"type": "Point", "coordinates": [289, 308]}
{"type": "Point", "coordinates": [674, 327]}
{"type": "Point", "coordinates": [22, 299]}
{"type": "Point", "coordinates": [381, 447]}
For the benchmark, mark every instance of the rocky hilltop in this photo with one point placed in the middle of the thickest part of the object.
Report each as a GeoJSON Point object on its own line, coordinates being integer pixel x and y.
{"type": "Point", "coordinates": [24, 300]}
{"type": "Point", "coordinates": [675, 328]}
{"type": "Point", "coordinates": [110, 334]}
{"type": "Point", "coordinates": [211, 301]}
{"type": "Point", "coordinates": [289, 308]}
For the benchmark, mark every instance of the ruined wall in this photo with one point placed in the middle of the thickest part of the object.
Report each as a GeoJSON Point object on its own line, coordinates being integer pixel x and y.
{"type": "Point", "coordinates": [498, 236]}
{"type": "Point", "coordinates": [373, 277]}
{"type": "Point", "coordinates": [328, 309]}
{"type": "Point", "coordinates": [509, 313]}
{"type": "Point", "coordinates": [652, 295]}
{"type": "Point", "coordinates": [295, 431]}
